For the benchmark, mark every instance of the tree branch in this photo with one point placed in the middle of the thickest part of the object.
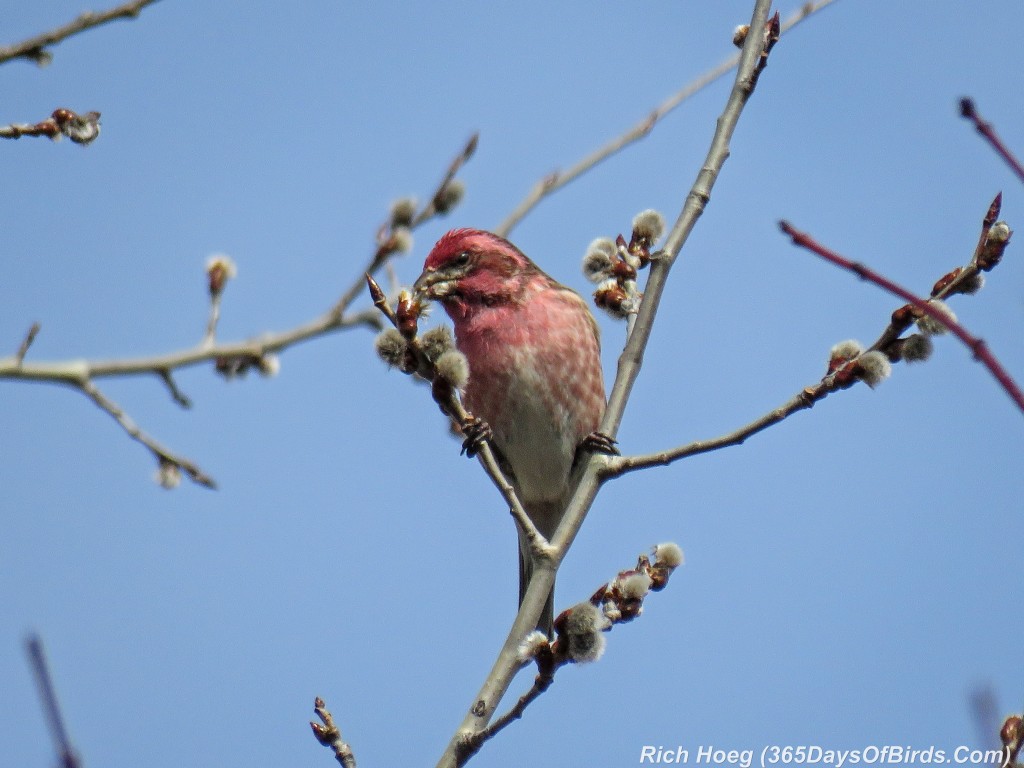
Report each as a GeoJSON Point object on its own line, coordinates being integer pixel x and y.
{"type": "Point", "coordinates": [977, 346]}
{"type": "Point", "coordinates": [81, 129]}
{"type": "Point", "coordinates": [959, 280]}
{"type": "Point", "coordinates": [34, 47]}
{"type": "Point", "coordinates": [54, 719]}
{"type": "Point", "coordinates": [558, 179]}
{"type": "Point", "coordinates": [507, 664]}
{"type": "Point", "coordinates": [970, 112]}
{"type": "Point", "coordinates": [231, 358]}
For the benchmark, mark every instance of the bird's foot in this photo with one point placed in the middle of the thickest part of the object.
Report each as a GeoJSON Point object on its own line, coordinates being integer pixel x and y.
{"type": "Point", "coordinates": [598, 442]}
{"type": "Point", "coordinates": [477, 432]}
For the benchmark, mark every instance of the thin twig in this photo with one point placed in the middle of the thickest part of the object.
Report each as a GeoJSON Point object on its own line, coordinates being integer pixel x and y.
{"type": "Point", "coordinates": [172, 387]}
{"type": "Point", "coordinates": [558, 179]}
{"type": "Point", "coordinates": [389, 245]}
{"type": "Point", "coordinates": [162, 454]}
{"type": "Point", "coordinates": [328, 734]}
{"type": "Point", "coordinates": [450, 404]}
{"type": "Point", "coordinates": [82, 374]}
{"type": "Point", "coordinates": [620, 465]}
{"type": "Point", "coordinates": [19, 356]}
{"type": "Point", "coordinates": [34, 47]}
{"type": "Point", "coordinates": [54, 719]}
{"type": "Point", "coordinates": [580, 636]}
{"type": "Point", "coordinates": [969, 111]}
{"type": "Point", "coordinates": [977, 346]}
{"type": "Point", "coordinates": [214, 318]}
{"type": "Point", "coordinates": [953, 282]}
{"type": "Point", "coordinates": [507, 664]}
{"type": "Point", "coordinates": [472, 743]}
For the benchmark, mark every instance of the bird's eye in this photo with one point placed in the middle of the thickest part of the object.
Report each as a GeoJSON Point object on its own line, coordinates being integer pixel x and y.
{"type": "Point", "coordinates": [462, 259]}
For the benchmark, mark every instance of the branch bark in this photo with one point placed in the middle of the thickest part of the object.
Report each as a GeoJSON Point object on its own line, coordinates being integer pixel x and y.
{"type": "Point", "coordinates": [34, 48]}
{"type": "Point", "coordinates": [507, 664]}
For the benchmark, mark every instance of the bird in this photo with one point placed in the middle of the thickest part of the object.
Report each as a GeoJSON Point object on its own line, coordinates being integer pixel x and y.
{"type": "Point", "coordinates": [535, 376]}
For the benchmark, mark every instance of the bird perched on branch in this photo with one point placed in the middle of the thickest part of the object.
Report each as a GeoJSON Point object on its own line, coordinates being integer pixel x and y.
{"type": "Point", "coordinates": [534, 369]}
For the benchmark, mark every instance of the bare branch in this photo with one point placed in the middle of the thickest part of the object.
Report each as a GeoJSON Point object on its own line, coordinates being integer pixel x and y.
{"type": "Point", "coordinates": [977, 346]}
{"type": "Point", "coordinates": [970, 112]}
{"type": "Point", "coordinates": [229, 359]}
{"type": "Point", "coordinates": [620, 465]}
{"type": "Point", "coordinates": [558, 179]}
{"type": "Point", "coordinates": [54, 719]}
{"type": "Point", "coordinates": [164, 456]}
{"type": "Point", "coordinates": [35, 47]}
{"type": "Point", "coordinates": [589, 475]}
{"type": "Point", "coordinates": [19, 356]}
{"type": "Point", "coordinates": [172, 387]}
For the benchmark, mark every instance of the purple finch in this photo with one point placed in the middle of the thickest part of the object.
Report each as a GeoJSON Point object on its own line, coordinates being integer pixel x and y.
{"type": "Point", "coordinates": [534, 368]}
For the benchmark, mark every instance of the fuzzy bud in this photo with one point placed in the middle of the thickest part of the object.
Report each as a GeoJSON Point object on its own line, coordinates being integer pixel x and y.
{"type": "Point", "coordinates": [390, 347]}
{"type": "Point", "coordinates": [843, 352]}
{"type": "Point", "coordinates": [167, 475]}
{"type": "Point", "coordinates": [739, 35]}
{"type": "Point", "coordinates": [531, 645]}
{"type": "Point", "coordinates": [400, 240]}
{"type": "Point", "coordinates": [917, 348]}
{"type": "Point", "coordinates": [453, 367]}
{"type": "Point", "coordinates": [874, 368]}
{"type": "Point", "coordinates": [81, 129]}
{"type": "Point", "coordinates": [599, 260]}
{"type": "Point", "coordinates": [648, 227]}
{"type": "Point", "coordinates": [449, 196]}
{"type": "Point", "coordinates": [268, 365]}
{"type": "Point", "coordinates": [436, 342]}
{"type": "Point", "coordinates": [581, 629]}
{"type": "Point", "coordinates": [669, 555]}
{"type": "Point", "coordinates": [219, 269]}
{"type": "Point", "coordinates": [402, 212]}
{"type": "Point", "coordinates": [972, 285]}
{"type": "Point", "coordinates": [930, 325]}
{"type": "Point", "coordinates": [633, 585]}
{"type": "Point", "coordinates": [992, 252]}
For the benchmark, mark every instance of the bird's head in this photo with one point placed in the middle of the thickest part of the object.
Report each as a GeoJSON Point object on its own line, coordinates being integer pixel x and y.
{"type": "Point", "coordinates": [470, 267]}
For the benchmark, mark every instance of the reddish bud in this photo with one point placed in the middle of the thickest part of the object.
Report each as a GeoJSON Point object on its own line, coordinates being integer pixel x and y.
{"type": "Point", "coordinates": [408, 314]}
{"type": "Point", "coordinates": [659, 577]}
{"type": "Point", "coordinates": [945, 281]}
{"type": "Point", "coordinates": [611, 298]}
{"type": "Point", "coordinates": [376, 292]}
{"type": "Point", "coordinates": [904, 317]}
{"type": "Point", "coordinates": [622, 270]}
{"type": "Point", "coordinates": [1012, 732]}
{"type": "Point", "coordinates": [996, 240]}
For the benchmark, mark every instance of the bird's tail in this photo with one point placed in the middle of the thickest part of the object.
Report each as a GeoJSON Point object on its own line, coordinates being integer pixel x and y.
{"type": "Point", "coordinates": [546, 516]}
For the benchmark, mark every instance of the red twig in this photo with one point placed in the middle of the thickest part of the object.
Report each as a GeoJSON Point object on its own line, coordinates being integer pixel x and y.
{"type": "Point", "coordinates": [969, 111]}
{"type": "Point", "coordinates": [977, 346]}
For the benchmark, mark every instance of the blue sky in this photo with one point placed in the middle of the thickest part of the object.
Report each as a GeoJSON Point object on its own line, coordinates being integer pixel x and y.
{"type": "Point", "coordinates": [852, 574]}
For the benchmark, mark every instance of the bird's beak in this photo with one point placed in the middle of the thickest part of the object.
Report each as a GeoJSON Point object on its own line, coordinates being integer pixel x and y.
{"type": "Point", "coordinates": [432, 284]}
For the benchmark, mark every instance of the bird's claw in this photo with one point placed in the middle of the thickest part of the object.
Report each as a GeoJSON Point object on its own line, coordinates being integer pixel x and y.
{"type": "Point", "coordinates": [477, 432]}
{"type": "Point", "coordinates": [598, 442]}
